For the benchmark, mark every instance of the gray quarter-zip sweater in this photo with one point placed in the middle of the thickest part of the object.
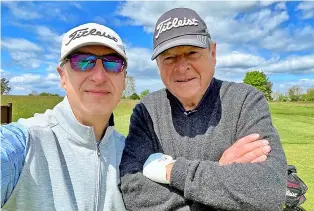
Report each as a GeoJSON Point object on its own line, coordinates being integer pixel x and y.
{"type": "Point", "coordinates": [64, 168]}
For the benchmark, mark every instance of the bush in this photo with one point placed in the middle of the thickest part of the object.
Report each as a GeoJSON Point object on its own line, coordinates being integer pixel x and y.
{"type": "Point", "coordinates": [134, 96]}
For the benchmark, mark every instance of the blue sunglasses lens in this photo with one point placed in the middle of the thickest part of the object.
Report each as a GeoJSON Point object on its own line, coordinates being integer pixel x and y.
{"type": "Point", "coordinates": [84, 62]}
{"type": "Point", "coordinates": [113, 66]}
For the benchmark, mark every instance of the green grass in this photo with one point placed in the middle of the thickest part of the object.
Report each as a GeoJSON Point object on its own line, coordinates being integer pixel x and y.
{"type": "Point", "coordinates": [294, 122]}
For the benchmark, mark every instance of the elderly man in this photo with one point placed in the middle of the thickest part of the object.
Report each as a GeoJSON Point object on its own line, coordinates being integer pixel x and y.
{"type": "Point", "coordinates": [201, 143]}
{"type": "Point", "coordinates": [68, 157]}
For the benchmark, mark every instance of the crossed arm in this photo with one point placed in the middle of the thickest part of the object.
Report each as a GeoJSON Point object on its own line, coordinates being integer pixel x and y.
{"type": "Point", "coordinates": [243, 179]}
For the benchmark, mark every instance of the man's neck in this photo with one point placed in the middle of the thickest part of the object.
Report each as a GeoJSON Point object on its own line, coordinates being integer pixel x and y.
{"type": "Point", "coordinates": [190, 104]}
{"type": "Point", "coordinates": [99, 123]}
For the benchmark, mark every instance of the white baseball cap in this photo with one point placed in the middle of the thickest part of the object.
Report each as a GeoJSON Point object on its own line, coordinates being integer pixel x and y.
{"type": "Point", "coordinates": [91, 34]}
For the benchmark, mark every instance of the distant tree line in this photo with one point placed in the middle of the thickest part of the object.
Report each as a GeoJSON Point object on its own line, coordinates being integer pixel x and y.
{"type": "Point", "coordinates": [295, 94]}
{"type": "Point", "coordinates": [255, 78]}
{"type": "Point", "coordinates": [34, 93]}
{"type": "Point", "coordinates": [259, 80]}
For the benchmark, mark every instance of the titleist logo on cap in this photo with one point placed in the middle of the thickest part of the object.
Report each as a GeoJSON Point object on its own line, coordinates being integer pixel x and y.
{"type": "Point", "coordinates": [85, 32]}
{"type": "Point", "coordinates": [168, 24]}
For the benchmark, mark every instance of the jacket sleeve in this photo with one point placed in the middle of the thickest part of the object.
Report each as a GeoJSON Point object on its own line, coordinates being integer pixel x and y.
{"type": "Point", "coordinates": [245, 187]}
{"type": "Point", "coordinates": [140, 193]}
{"type": "Point", "coordinates": [14, 138]}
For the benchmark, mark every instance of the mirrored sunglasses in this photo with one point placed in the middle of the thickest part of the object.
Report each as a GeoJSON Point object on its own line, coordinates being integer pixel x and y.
{"type": "Point", "coordinates": [84, 62]}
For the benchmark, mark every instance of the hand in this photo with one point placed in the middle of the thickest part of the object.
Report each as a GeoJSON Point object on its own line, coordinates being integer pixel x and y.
{"type": "Point", "coordinates": [249, 149]}
{"type": "Point", "coordinates": [156, 167]}
{"type": "Point", "coordinates": [168, 171]}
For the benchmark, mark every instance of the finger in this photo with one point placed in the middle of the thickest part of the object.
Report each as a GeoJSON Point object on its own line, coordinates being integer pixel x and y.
{"type": "Point", "coordinates": [250, 147]}
{"type": "Point", "coordinates": [247, 139]}
{"type": "Point", "coordinates": [261, 158]}
{"type": "Point", "coordinates": [248, 157]}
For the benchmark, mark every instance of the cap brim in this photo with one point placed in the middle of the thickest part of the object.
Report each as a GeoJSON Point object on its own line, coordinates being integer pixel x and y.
{"type": "Point", "coordinates": [201, 41]}
{"type": "Point", "coordinates": [114, 47]}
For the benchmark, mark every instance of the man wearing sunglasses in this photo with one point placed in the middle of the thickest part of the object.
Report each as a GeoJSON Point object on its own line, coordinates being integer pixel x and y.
{"type": "Point", "coordinates": [68, 157]}
{"type": "Point", "coordinates": [201, 143]}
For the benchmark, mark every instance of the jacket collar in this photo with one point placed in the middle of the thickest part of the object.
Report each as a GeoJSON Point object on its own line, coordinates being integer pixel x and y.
{"type": "Point", "coordinates": [65, 116]}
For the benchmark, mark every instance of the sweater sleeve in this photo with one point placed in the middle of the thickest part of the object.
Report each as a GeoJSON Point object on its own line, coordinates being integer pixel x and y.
{"type": "Point", "coordinates": [14, 139]}
{"type": "Point", "coordinates": [245, 187]}
{"type": "Point", "coordinates": [140, 193]}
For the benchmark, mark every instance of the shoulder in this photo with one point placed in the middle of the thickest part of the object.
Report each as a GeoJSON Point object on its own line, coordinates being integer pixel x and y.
{"type": "Point", "coordinates": [237, 91]}
{"type": "Point", "coordinates": [154, 97]}
{"type": "Point", "coordinates": [38, 121]}
{"type": "Point", "coordinates": [14, 131]}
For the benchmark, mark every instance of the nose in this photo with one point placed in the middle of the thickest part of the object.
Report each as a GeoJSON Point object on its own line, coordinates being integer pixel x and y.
{"type": "Point", "coordinates": [99, 74]}
{"type": "Point", "coordinates": [182, 64]}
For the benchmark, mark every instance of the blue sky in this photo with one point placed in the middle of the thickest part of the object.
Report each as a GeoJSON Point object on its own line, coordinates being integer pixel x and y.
{"type": "Point", "coordinates": [275, 37]}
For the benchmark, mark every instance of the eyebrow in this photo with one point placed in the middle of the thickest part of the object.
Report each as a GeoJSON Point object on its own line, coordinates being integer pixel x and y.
{"type": "Point", "coordinates": [187, 49]}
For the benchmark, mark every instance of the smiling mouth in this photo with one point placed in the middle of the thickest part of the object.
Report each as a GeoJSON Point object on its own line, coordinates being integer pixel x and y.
{"type": "Point", "coordinates": [95, 92]}
{"type": "Point", "coordinates": [184, 80]}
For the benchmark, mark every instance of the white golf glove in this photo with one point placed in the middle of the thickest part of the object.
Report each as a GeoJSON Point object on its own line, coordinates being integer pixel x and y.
{"type": "Point", "coordinates": [155, 167]}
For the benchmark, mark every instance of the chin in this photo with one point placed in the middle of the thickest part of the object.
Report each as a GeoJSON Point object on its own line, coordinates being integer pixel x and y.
{"type": "Point", "coordinates": [98, 109]}
{"type": "Point", "coordinates": [186, 93]}
{"type": "Point", "coordinates": [99, 112]}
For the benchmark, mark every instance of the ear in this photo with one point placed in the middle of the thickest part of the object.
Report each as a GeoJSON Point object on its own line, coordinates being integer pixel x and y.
{"type": "Point", "coordinates": [62, 77]}
{"type": "Point", "coordinates": [213, 52]}
{"type": "Point", "coordinates": [157, 62]}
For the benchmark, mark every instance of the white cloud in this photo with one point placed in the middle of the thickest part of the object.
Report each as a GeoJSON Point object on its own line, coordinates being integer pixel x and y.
{"type": "Point", "coordinates": [20, 44]}
{"type": "Point", "coordinates": [294, 39]}
{"type": "Point", "coordinates": [25, 10]}
{"type": "Point", "coordinates": [23, 52]}
{"type": "Point", "coordinates": [19, 88]}
{"type": "Point", "coordinates": [281, 6]}
{"type": "Point", "coordinates": [46, 34]}
{"type": "Point", "coordinates": [22, 11]}
{"type": "Point", "coordinates": [268, 2]}
{"type": "Point", "coordinates": [148, 83]}
{"type": "Point", "coordinates": [52, 77]}
{"type": "Point", "coordinates": [225, 24]}
{"type": "Point", "coordinates": [28, 54]}
{"type": "Point", "coordinates": [26, 78]}
{"type": "Point", "coordinates": [239, 60]}
{"type": "Point", "coordinates": [293, 65]}
{"type": "Point", "coordinates": [26, 83]}
{"type": "Point", "coordinates": [140, 63]}
{"type": "Point", "coordinates": [147, 12]}
{"type": "Point", "coordinates": [307, 9]}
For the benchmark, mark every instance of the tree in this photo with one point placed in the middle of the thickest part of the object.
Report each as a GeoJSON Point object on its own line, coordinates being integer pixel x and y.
{"type": "Point", "coordinates": [145, 92]}
{"type": "Point", "coordinates": [283, 98]}
{"type": "Point", "coordinates": [309, 95]}
{"type": "Point", "coordinates": [294, 93]}
{"type": "Point", "coordinates": [5, 88]}
{"type": "Point", "coordinates": [275, 96]}
{"type": "Point", "coordinates": [33, 93]}
{"type": "Point", "coordinates": [129, 86]}
{"type": "Point", "coordinates": [260, 81]}
{"type": "Point", "coordinates": [134, 96]}
{"type": "Point", "coordinates": [47, 94]}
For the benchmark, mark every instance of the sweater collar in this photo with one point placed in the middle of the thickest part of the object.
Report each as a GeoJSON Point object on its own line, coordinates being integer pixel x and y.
{"type": "Point", "coordinates": [205, 96]}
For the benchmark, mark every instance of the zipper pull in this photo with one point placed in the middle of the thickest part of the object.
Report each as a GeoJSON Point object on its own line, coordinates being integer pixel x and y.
{"type": "Point", "coordinates": [98, 151]}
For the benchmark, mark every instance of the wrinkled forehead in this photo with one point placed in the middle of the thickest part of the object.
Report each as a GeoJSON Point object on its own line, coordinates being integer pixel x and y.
{"type": "Point", "coordinates": [95, 49]}
{"type": "Point", "coordinates": [180, 50]}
